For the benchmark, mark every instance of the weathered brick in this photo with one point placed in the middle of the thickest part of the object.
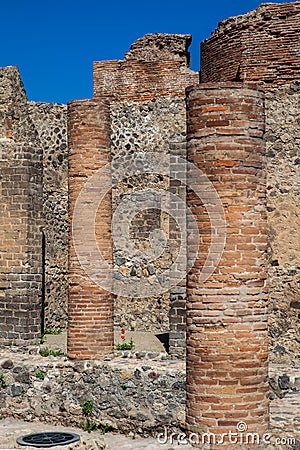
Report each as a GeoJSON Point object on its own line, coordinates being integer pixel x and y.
{"type": "Point", "coordinates": [90, 328]}
{"type": "Point", "coordinates": [215, 333]}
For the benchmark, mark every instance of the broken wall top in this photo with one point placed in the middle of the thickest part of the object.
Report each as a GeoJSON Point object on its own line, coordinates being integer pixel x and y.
{"type": "Point", "coordinates": [156, 66]}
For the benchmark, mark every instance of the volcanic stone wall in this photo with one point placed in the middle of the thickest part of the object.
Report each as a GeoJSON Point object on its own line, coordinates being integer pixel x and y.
{"type": "Point", "coordinates": [145, 127]}
{"type": "Point", "coordinates": [21, 221]}
{"type": "Point", "coordinates": [283, 154]}
{"type": "Point", "coordinates": [146, 93]}
{"type": "Point", "coordinates": [50, 121]}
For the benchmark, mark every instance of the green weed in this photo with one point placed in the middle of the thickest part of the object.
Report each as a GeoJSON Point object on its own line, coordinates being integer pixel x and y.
{"type": "Point", "coordinates": [126, 345]}
{"type": "Point", "coordinates": [49, 352]}
{"type": "Point", "coordinates": [40, 375]}
{"type": "Point", "coordinates": [2, 381]}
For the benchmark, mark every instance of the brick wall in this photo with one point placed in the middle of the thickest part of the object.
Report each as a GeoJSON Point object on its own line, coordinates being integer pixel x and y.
{"type": "Point", "coordinates": [90, 307]}
{"type": "Point", "coordinates": [177, 186]}
{"type": "Point", "coordinates": [260, 46]}
{"type": "Point", "coordinates": [263, 46]}
{"type": "Point", "coordinates": [157, 66]}
{"type": "Point", "coordinates": [227, 347]}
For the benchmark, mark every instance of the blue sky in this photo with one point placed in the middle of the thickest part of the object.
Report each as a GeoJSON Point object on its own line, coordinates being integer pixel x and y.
{"type": "Point", "coordinates": [55, 42]}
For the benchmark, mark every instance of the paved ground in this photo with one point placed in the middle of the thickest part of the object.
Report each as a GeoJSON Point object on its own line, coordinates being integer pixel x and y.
{"type": "Point", "coordinates": [143, 340]}
{"type": "Point", "coordinates": [11, 429]}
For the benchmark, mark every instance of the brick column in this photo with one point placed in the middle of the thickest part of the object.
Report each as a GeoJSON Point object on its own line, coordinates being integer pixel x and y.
{"type": "Point", "coordinates": [20, 245]}
{"type": "Point", "coordinates": [227, 369]}
{"type": "Point", "coordinates": [90, 307]}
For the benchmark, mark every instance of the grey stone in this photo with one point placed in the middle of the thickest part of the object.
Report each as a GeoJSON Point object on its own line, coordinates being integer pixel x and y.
{"type": "Point", "coordinates": [151, 270]}
{"type": "Point", "coordinates": [118, 276]}
{"type": "Point", "coordinates": [133, 271]}
{"type": "Point", "coordinates": [279, 349]}
{"type": "Point", "coordinates": [23, 377]}
{"type": "Point", "coordinates": [15, 390]}
{"type": "Point", "coordinates": [120, 260]}
{"type": "Point", "coordinates": [8, 364]}
{"type": "Point", "coordinates": [284, 382]}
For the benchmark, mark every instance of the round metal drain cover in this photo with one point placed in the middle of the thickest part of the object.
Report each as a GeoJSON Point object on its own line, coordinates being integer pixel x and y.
{"type": "Point", "coordinates": [48, 439]}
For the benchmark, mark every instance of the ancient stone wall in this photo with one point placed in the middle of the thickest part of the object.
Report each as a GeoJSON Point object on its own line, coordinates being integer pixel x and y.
{"type": "Point", "coordinates": [282, 140]}
{"type": "Point", "coordinates": [21, 215]}
{"type": "Point", "coordinates": [146, 93]}
{"type": "Point", "coordinates": [147, 111]}
{"type": "Point", "coordinates": [139, 397]}
{"type": "Point", "coordinates": [145, 127]}
{"type": "Point", "coordinates": [50, 121]}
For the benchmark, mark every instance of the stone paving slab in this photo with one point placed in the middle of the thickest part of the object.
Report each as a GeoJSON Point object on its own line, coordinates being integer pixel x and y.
{"type": "Point", "coordinates": [143, 341]}
{"type": "Point", "coordinates": [11, 429]}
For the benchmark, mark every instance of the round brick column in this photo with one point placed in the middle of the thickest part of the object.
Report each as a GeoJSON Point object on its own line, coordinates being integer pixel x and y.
{"type": "Point", "coordinates": [227, 351]}
{"type": "Point", "coordinates": [90, 307]}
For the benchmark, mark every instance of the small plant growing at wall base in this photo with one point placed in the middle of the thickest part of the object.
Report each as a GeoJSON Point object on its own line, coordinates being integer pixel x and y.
{"type": "Point", "coordinates": [89, 425]}
{"type": "Point", "coordinates": [49, 352]}
{"type": "Point", "coordinates": [125, 345]}
{"type": "Point", "coordinates": [104, 428]}
{"type": "Point", "coordinates": [87, 409]}
{"type": "Point", "coordinates": [48, 331]}
{"type": "Point", "coordinates": [51, 331]}
{"type": "Point", "coordinates": [2, 381]}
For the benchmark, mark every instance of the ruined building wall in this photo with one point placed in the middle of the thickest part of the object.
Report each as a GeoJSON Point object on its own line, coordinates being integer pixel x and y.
{"type": "Point", "coordinates": [263, 46]}
{"type": "Point", "coordinates": [147, 113]}
{"type": "Point", "coordinates": [156, 66]}
{"type": "Point", "coordinates": [21, 215]}
{"type": "Point", "coordinates": [146, 92]}
{"type": "Point", "coordinates": [283, 144]}
{"type": "Point", "coordinates": [50, 121]}
{"type": "Point", "coordinates": [34, 201]}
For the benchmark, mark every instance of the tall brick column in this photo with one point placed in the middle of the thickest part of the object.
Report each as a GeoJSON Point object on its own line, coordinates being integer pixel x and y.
{"type": "Point", "coordinates": [227, 348]}
{"type": "Point", "coordinates": [90, 307]}
{"type": "Point", "coordinates": [21, 200]}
